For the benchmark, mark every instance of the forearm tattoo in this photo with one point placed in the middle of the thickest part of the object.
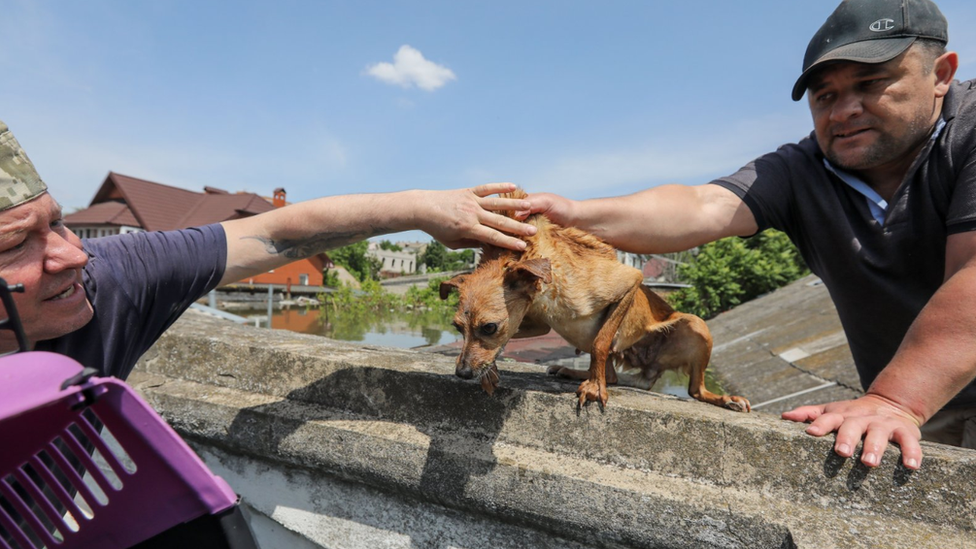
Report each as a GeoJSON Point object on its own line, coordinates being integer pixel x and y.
{"type": "Point", "coordinates": [301, 248]}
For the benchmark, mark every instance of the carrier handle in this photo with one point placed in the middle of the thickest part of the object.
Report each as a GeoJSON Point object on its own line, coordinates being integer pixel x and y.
{"type": "Point", "coordinates": [12, 322]}
{"type": "Point", "coordinates": [79, 378]}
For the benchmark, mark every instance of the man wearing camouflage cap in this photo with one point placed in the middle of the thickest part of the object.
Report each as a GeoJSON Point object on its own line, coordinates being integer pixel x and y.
{"type": "Point", "coordinates": [880, 200]}
{"type": "Point", "coordinates": [51, 303]}
{"type": "Point", "coordinates": [19, 182]}
{"type": "Point", "coordinates": [105, 301]}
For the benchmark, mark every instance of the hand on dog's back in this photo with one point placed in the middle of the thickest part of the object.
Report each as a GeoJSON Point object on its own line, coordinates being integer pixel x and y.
{"type": "Point", "coordinates": [555, 207]}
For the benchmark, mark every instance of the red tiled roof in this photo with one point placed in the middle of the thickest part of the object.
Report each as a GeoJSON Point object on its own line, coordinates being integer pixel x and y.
{"type": "Point", "coordinates": [113, 212]}
{"type": "Point", "coordinates": [654, 268]}
{"type": "Point", "coordinates": [156, 207]}
{"type": "Point", "coordinates": [124, 200]}
{"type": "Point", "coordinates": [222, 207]}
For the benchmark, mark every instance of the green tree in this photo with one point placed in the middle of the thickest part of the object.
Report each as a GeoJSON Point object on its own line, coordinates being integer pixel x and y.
{"type": "Point", "coordinates": [387, 245]}
{"type": "Point", "coordinates": [430, 297]}
{"type": "Point", "coordinates": [434, 256]}
{"type": "Point", "coordinates": [353, 257]}
{"type": "Point", "coordinates": [438, 258]}
{"type": "Point", "coordinates": [733, 270]}
{"type": "Point", "coordinates": [459, 260]}
{"type": "Point", "coordinates": [330, 278]}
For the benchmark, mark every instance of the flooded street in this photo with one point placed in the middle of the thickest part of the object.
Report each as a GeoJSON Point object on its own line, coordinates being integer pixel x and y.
{"type": "Point", "coordinates": [402, 329]}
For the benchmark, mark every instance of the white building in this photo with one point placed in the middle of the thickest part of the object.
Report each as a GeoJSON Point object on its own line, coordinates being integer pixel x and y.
{"type": "Point", "coordinates": [403, 262]}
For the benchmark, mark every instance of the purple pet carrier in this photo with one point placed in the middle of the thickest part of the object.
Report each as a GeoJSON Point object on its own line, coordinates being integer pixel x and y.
{"type": "Point", "coordinates": [86, 463]}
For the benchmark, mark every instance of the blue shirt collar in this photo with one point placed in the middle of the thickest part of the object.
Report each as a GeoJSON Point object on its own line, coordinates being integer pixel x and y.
{"type": "Point", "coordinates": [877, 205]}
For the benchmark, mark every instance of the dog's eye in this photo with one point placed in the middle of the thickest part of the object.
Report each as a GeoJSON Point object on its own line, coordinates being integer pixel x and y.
{"type": "Point", "coordinates": [489, 329]}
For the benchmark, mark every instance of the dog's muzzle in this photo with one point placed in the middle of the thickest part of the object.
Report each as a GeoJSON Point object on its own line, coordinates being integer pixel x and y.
{"type": "Point", "coordinates": [464, 371]}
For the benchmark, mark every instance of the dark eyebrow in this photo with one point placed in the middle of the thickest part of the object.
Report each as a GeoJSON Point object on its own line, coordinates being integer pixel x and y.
{"type": "Point", "coordinates": [870, 70]}
{"type": "Point", "coordinates": [815, 85]}
{"type": "Point", "coordinates": [864, 70]}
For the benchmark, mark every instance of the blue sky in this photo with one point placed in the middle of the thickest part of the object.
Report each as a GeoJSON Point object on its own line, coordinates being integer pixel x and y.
{"type": "Point", "coordinates": [584, 99]}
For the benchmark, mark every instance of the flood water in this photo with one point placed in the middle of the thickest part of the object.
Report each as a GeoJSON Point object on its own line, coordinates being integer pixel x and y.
{"type": "Point", "coordinates": [401, 329]}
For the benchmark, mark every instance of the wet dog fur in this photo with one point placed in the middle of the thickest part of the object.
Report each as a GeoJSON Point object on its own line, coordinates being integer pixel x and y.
{"type": "Point", "coordinates": [570, 281]}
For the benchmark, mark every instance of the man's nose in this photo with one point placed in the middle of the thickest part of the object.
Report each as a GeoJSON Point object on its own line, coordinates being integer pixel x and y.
{"type": "Point", "coordinates": [63, 253]}
{"type": "Point", "coordinates": [847, 106]}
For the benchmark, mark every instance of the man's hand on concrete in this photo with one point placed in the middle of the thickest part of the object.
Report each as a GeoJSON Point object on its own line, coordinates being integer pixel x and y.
{"type": "Point", "coordinates": [873, 417]}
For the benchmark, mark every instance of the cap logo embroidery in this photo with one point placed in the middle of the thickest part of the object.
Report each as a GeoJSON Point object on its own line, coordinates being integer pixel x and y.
{"type": "Point", "coordinates": [882, 25]}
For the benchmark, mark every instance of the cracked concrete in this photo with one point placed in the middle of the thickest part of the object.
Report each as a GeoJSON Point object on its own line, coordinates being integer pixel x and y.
{"type": "Point", "coordinates": [360, 446]}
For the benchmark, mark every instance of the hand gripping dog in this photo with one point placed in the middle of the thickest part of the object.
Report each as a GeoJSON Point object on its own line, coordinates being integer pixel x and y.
{"type": "Point", "coordinates": [570, 281]}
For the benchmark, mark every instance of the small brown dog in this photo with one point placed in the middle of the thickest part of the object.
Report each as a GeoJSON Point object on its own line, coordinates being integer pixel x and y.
{"type": "Point", "coordinates": [571, 281]}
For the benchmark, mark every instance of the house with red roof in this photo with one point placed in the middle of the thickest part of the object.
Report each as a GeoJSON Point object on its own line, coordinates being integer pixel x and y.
{"type": "Point", "coordinates": [126, 204]}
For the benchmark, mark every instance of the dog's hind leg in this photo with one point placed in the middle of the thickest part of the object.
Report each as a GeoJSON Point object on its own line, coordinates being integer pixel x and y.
{"type": "Point", "coordinates": [698, 363]}
{"type": "Point", "coordinates": [697, 390]}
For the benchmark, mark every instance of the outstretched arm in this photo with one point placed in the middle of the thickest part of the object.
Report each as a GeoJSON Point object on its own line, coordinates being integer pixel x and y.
{"type": "Point", "coordinates": [669, 218]}
{"type": "Point", "coordinates": [456, 218]}
{"type": "Point", "coordinates": [935, 361]}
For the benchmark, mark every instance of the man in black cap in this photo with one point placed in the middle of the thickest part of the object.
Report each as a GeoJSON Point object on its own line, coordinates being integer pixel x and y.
{"type": "Point", "coordinates": [880, 200]}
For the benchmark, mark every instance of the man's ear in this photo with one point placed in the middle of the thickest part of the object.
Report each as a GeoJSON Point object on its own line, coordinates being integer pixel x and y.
{"type": "Point", "coordinates": [453, 284]}
{"type": "Point", "coordinates": [945, 71]}
{"type": "Point", "coordinates": [528, 271]}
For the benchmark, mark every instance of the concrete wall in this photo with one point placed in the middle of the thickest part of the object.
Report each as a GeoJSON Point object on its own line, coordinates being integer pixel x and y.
{"type": "Point", "coordinates": [342, 446]}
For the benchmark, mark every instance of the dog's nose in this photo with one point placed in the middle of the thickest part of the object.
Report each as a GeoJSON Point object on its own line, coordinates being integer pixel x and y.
{"type": "Point", "coordinates": [463, 371]}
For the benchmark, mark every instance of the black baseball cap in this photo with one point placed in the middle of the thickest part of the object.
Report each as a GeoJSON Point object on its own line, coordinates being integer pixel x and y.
{"type": "Point", "coordinates": [871, 31]}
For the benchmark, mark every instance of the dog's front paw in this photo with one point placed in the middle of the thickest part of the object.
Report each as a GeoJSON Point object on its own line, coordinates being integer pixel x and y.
{"type": "Point", "coordinates": [738, 404]}
{"type": "Point", "coordinates": [592, 391]}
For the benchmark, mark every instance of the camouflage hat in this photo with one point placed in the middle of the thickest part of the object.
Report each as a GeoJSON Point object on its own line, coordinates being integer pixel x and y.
{"type": "Point", "coordinates": [19, 181]}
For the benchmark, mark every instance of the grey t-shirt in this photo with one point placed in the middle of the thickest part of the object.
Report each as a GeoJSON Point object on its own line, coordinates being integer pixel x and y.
{"type": "Point", "coordinates": [879, 275]}
{"type": "Point", "coordinates": [138, 285]}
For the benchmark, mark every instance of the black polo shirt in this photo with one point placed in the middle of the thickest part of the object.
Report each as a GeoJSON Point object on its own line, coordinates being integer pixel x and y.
{"type": "Point", "coordinates": [879, 275]}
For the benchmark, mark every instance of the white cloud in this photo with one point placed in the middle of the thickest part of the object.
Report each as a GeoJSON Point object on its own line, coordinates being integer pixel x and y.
{"type": "Point", "coordinates": [410, 68]}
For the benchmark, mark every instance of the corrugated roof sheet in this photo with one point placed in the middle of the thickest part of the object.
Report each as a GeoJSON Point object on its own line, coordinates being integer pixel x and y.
{"type": "Point", "coordinates": [785, 349]}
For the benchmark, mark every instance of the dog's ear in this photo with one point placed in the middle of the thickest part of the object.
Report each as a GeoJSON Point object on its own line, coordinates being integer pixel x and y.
{"type": "Point", "coordinates": [528, 271]}
{"type": "Point", "coordinates": [449, 285]}
{"type": "Point", "coordinates": [538, 267]}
